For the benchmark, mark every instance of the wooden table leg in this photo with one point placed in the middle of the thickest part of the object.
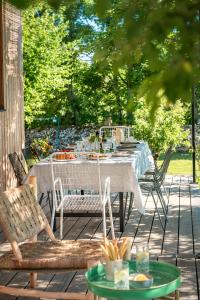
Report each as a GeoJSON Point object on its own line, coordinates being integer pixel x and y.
{"type": "Point", "coordinates": [121, 211]}
{"type": "Point", "coordinates": [177, 295]}
{"type": "Point", "coordinates": [173, 296]}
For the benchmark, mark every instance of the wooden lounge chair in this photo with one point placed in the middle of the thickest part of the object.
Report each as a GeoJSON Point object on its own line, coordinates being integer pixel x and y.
{"type": "Point", "coordinates": [22, 219]}
{"type": "Point", "coordinates": [20, 171]}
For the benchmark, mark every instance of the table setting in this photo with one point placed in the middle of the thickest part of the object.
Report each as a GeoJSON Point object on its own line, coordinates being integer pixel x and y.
{"type": "Point", "coordinates": [123, 167]}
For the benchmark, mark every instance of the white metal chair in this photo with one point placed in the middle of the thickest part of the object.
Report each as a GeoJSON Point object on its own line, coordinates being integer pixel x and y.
{"type": "Point", "coordinates": [152, 182]}
{"type": "Point", "coordinates": [120, 133]}
{"type": "Point", "coordinates": [78, 186]}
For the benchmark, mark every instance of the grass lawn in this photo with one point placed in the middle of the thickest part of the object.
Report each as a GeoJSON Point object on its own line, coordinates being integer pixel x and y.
{"type": "Point", "coordinates": [181, 163]}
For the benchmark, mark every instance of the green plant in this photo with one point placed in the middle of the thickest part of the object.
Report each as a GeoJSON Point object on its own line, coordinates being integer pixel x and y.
{"type": "Point", "coordinates": [41, 146]}
{"type": "Point", "coordinates": [166, 130]}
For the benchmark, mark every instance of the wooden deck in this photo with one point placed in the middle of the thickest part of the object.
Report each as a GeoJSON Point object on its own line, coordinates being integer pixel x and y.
{"type": "Point", "coordinates": [179, 244]}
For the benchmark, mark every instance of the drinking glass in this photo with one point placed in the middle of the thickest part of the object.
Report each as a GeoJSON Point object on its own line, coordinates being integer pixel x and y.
{"type": "Point", "coordinates": [142, 258]}
{"type": "Point", "coordinates": [79, 146]}
{"type": "Point", "coordinates": [121, 275]}
{"type": "Point", "coordinates": [106, 147]}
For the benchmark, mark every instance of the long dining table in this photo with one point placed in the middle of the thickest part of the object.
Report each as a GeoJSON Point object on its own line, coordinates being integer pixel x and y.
{"type": "Point", "coordinates": [124, 172]}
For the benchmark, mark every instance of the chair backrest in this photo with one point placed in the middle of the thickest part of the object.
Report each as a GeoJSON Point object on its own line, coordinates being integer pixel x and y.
{"type": "Point", "coordinates": [18, 167]}
{"type": "Point", "coordinates": [77, 171]}
{"type": "Point", "coordinates": [30, 157]}
{"type": "Point", "coordinates": [120, 133]}
{"type": "Point", "coordinates": [164, 167]}
{"type": "Point", "coordinates": [21, 216]}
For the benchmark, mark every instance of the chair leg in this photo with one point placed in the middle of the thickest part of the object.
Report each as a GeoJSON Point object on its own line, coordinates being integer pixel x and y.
{"type": "Point", "coordinates": [121, 211]}
{"type": "Point", "coordinates": [61, 222]}
{"type": "Point", "coordinates": [41, 198]}
{"type": "Point", "coordinates": [111, 219]}
{"type": "Point", "coordinates": [159, 216]}
{"type": "Point", "coordinates": [53, 216]}
{"type": "Point", "coordinates": [33, 280]}
{"type": "Point", "coordinates": [165, 190]}
{"type": "Point", "coordinates": [104, 220]}
{"type": "Point", "coordinates": [130, 205]}
{"type": "Point", "coordinates": [50, 200]}
{"type": "Point", "coordinates": [162, 201]}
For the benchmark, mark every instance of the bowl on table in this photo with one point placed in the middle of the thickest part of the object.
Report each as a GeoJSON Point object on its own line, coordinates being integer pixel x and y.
{"type": "Point", "coordinates": [140, 280]}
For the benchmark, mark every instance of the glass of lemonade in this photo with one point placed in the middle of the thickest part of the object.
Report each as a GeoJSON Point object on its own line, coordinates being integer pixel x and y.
{"type": "Point", "coordinates": [121, 275]}
{"type": "Point", "coordinates": [142, 258]}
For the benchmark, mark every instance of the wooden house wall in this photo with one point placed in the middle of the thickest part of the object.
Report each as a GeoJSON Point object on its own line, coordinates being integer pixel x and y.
{"type": "Point", "coordinates": [12, 116]}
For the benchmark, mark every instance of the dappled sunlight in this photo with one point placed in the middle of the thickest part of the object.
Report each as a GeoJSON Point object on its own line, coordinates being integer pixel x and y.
{"type": "Point", "coordinates": [176, 241]}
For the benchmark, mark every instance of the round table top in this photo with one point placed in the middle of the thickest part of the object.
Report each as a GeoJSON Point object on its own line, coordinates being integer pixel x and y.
{"type": "Point", "coordinates": [166, 279]}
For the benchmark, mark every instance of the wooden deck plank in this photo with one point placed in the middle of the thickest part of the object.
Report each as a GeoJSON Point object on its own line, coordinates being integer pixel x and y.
{"type": "Point", "coordinates": [184, 200]}
{"type": "Point", "coordinates": [185, 231]}
{"type": "Point", "coordinates": [189, 289]}
{"type": "Point", "coordinates": [195, 204]}
{"type": "Point", "coordinates": [198, 277]}
{"type": "Point", "coordinates": [170, 244]}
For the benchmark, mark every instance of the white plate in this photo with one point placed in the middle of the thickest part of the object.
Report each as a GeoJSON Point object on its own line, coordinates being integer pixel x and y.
{"type": "Point", "coordinates": [66, 159]}
{"type": "Point", "coordinates": [100, 157]}
{"type": "Point", "coordinates": [121, 154]}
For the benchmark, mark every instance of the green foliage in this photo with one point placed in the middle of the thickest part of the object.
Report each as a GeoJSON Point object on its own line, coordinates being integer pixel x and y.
{"type": "Point", "coordinates": [41, 147]}
{"type": "Point", "coordinates": [165, 32]}
{"type": "Point", "coordinates": [44, 71]}
{"type": "Point", "coordinates": [134, 59]}
{"type": "Point", "coordinates": [166, 130]}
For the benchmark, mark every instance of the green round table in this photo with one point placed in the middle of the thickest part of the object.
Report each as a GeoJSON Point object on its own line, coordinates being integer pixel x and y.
{"type": "Point", "coordinates": [166, 280]}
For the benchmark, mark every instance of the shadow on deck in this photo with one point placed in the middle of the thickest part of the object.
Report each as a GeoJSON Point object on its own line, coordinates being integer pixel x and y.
{"type": "Point", "coordinates": [178, 244]}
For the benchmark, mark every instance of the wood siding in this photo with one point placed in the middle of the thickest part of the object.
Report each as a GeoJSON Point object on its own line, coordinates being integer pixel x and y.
{"type": "Point", "coordinates": [12, 119]}
{"type": "Point", "coordinates": [1, 60]}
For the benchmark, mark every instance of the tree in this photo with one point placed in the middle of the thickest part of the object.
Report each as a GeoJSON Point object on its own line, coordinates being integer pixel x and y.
{"type": "Point", "coordinates": [165, 32]}
{"type": "Point", "coordinates": [168, 127]}
{"type": "Point", "coordinates": [44, 71]}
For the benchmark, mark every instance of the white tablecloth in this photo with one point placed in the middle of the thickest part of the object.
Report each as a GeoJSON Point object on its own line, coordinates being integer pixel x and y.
{"type": "Point", "coordinates": [123, 171]}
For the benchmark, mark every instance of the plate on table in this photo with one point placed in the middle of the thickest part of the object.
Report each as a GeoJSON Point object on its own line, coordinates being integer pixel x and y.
{"type": "Point", "coordinates": [128, 145]}
{"type": "Point", "coordinates": [64, 157]}
{"type": "Point", "coordinates": [101, 156]}
{"type": "Point", "coordinates": [121, 154]}
{"type": "Point", "coordinates": [125, 147]}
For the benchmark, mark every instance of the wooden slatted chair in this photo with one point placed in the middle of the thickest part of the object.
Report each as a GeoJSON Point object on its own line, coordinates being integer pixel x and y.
{"type": "Point", "coordinates": [30, 156]}
{"type": "Point", "coordinates": [22, 219]}
{"type": "Point", "coordinates": [20, 171]}
{"type": "Point", "coordinates": [18, 167]}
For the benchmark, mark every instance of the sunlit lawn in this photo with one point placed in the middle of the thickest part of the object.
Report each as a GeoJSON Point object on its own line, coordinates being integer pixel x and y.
{"type": "Point", "coordinates": [181, 163]}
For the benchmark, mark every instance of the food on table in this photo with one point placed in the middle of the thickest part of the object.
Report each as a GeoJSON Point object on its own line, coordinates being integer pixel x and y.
{"type": "Point", "coordinates": [141, 280]}
{"type": "Point", "coordinates": [97, 155]}
{"type": "Point", "coordinates": [141, 277]}
{"type": "Point", "coordinates": [120, 154]}
{"type": "Point", "coordinates": [115, 249]}
{"type": "Point", "coordinates": [65, 156]}
{"type": "Point", "coordinates": [69, 156]}
{"type": "Point", "coordinates": [60, 156]}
